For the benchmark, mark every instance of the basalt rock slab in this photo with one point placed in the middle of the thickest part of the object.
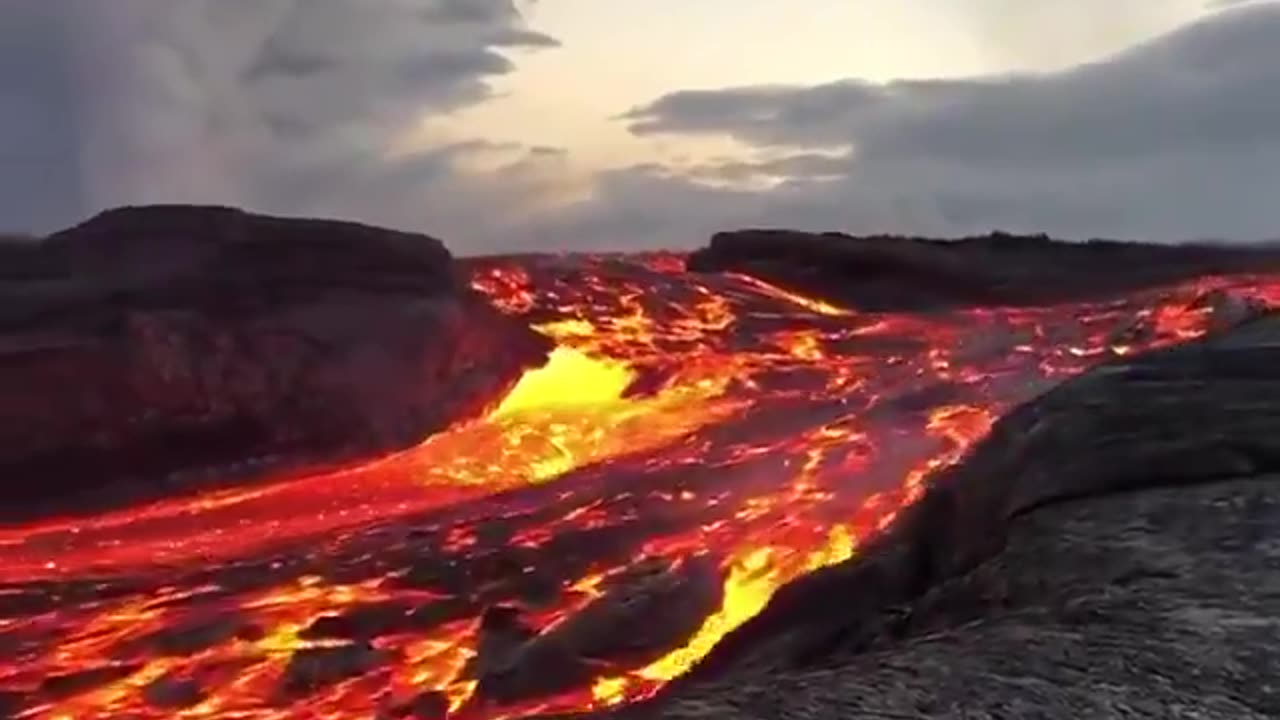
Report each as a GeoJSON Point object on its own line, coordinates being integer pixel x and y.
{"type": "Point", "coordinates": [1112, 549]}
{"type": "Point", "coordinates": [638, 618]}
{"type": "Point", "coordinates": [153, 348]}
{"type": "Point", "coordinates": [173, 693]}
{"type": "Point", "coordinates": [888, 273]}
{"type": "Point", "coordinates": [316, 667]}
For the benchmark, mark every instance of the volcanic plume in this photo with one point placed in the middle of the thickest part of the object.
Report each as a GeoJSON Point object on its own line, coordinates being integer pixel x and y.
{"type": "Point", "coordinates": [694, 442]}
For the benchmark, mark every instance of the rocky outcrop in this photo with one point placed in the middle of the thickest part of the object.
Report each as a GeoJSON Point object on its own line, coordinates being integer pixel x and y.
{"type": "Point", "coordinates": [638, 619]}
{"type": "Point", "coordinates": [1111, 550]}
{"type": "Point", "coordinates": [904, 273]}
{"type": "Point", "coordinates": [148, 342]}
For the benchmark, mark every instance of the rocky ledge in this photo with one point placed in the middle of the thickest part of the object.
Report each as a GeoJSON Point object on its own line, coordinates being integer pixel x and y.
{"type": "Point", "coordinates": [149, 343]}
{"type": "Point", "coordinates": [918, 274]}
{"type": "Point", "coordinates": [1111, 550]}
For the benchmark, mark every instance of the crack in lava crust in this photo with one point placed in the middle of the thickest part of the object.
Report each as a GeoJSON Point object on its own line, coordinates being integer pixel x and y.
{"type": "Point", "coordinates": [693, 443]}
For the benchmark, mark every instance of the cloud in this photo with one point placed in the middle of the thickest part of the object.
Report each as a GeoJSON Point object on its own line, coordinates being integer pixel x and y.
{"type": "Point", "coordinates": [767, 171]}
{"type": "Point", "coordinates": [1054, 35]}
{"type": "Point", "coordinates": [317, 107]}
{"type": "Point", "coordinates": [1207, 85]}
{"type": "Point", "coordinates": [39, 177]}
{"type": "Point", "coordinates": [1172, 139]}
{"type": "Point", "coordinates": [478, 196]}
{"type": "Point", "coordinates": [279, 105]}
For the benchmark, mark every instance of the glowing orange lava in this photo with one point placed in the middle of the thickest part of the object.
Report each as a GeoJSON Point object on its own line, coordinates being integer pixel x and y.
{"type": "Point", "coordinates": [707, 437]}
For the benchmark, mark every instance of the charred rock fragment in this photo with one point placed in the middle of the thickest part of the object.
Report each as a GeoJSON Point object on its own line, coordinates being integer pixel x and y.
{"type": "Point", "coordinates": [313, 668]}
{"type": "Point", "coordinates": [647, 612]}
{"type": "Point", "coordinates": [369, 622]}
{"type": "Point", "coordinates": [82, 680]}
{"type": "Point", "coordinates": [188, 638]}
{"type": "Point", "coordinates": [641, 616]}
{"type": "Point", "coordinates": [429, 705]}
{"type": "Point", "coordinates": [170, 693]}
{"type": "Point", "coordinates": [446, 575]}
{"type": "Point", "coordinates": [503, 634]}
{"type": "Point", "coordinates": [10, 703]}
{"type": "Point", "coordinates": [366, 622]}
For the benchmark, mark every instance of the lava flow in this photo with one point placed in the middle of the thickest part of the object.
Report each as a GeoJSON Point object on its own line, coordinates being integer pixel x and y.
{"type": "Point", "coordinates": [693, 443]}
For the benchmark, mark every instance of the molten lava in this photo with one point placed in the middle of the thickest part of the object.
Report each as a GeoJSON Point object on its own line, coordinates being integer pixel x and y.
{"type": "Point", "coordinates": [693, 444]}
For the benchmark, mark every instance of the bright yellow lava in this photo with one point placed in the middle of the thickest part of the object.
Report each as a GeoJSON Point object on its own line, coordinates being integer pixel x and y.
{"type": "Point", "coordinates": [752, 579]}
{"type": "Point", "coordinates": [747, 590]}
{"type": "Point", "coordinates": [570, 379]}
{"type": "Point", "coordinates": [571, 412]}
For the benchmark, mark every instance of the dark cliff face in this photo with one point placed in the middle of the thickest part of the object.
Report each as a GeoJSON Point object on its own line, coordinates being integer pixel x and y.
{"type": "Point", "coordinates": [148, 343]}
{"type": "Point", "coordinates": [906, 273]}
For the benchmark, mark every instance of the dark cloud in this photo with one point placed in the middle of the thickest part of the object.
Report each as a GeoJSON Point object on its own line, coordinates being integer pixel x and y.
{"type": "Point", "coordinates": [273, 104]}
{"type": "Point", "coordinates": [39, 174]}
{"type": "Point", "coordinates": [773, 115]}
{"type": "Point", "coordinates": [1176, 138]}
{"type": "Point", "coordinates": [1212, 84]}
{"type": "Point", "coordinates": [477, 12]}
{"type": "Point", "coordinates": [793, 166]}
{"type": "Point", "coordinates": [510, 37]}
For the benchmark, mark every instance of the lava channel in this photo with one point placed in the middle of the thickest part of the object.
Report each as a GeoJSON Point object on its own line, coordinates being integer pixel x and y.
{"type": "Point", "coordinates": [693, 443]}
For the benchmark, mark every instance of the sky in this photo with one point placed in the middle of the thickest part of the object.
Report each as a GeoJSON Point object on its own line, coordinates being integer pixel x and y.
{"type": "Point", "coordinates": [522, 125]}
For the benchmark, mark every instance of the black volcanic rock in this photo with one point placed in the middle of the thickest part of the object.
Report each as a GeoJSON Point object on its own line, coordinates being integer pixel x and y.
{"type": "Point", "coordinates": [1110, 550]}
{"type": "Point", "coordinates": [884, 273]}
{"type": "Point", "coordinates": [85, 679]}
{"type": "Point", "coordinates": [153, 340]}
{"type": "Point", "coordinates": [430, 705]}
{"type": "Point", "coordinates": [639, 618]}
{"type": "Point", "coordinates": [317, 667]}
{"type": "Point", "coordinates": [10, 703]}
{"type": "Point", "coordinates": [172, 692]}
{"type": "Point", "coordinates": [186, 638]}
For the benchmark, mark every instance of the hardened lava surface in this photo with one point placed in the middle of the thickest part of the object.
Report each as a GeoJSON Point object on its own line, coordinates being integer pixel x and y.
{"type": "Point", "coordinates": [693, 443]}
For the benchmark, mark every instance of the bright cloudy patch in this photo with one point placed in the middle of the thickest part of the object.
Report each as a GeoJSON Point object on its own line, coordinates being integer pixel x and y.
{"type": "Point", "coordinates": [767, 170]}
{"type": "Point", "coordinates": [1173, 139]}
